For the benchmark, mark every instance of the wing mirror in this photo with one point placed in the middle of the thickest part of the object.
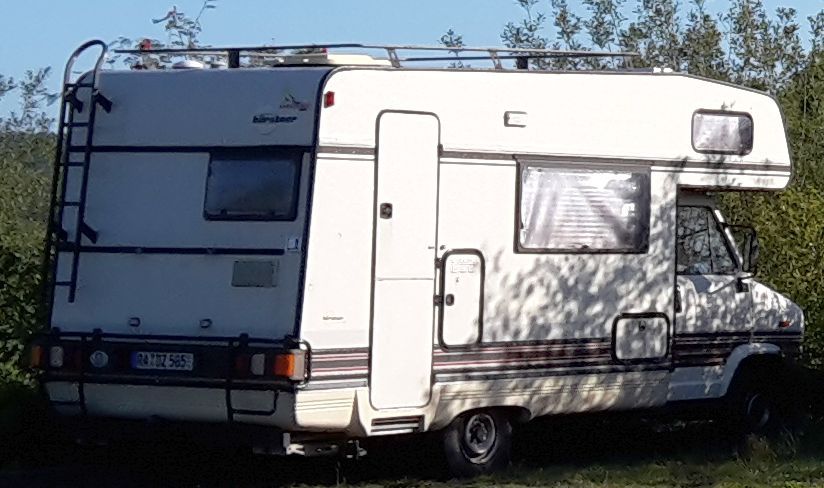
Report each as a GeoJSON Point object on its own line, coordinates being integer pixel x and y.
{"type": "Point", "coordinates": [746, 239]}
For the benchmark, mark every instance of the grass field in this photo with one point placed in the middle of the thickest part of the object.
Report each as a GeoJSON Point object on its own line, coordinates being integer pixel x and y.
{"type": "Point", "coordinates": [603, 451]}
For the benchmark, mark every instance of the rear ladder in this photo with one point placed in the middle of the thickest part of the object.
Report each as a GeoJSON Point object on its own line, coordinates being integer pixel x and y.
{"type": "Point", "coordinates": [68, 157]}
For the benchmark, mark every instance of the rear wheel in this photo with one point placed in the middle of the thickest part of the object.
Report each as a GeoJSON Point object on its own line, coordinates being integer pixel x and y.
{"type": "Point", "coordinates": [477, 443]}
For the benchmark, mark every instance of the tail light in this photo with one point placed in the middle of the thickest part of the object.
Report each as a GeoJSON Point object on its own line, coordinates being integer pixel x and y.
{"type": "Point", "coordinates": [66, 357]}
{"type": "Point", "coordinates": [56, 357]}
{"type": "Point", "coordinates": [257, 364]}
{"type": "Point", "coordinates": [37, 357]}
{"type": "Point", "coordinates": [290, 365]}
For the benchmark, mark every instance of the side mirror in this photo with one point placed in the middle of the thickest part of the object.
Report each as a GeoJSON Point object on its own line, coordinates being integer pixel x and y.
{"type": "Point", "coordinates": [754, 250]}
{"type": "Point", "coordinates": [746, 240]}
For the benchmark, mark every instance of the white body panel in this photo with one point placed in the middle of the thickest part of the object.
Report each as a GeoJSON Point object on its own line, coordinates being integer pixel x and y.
{"type": "Point", "coordinates": [628, 117]}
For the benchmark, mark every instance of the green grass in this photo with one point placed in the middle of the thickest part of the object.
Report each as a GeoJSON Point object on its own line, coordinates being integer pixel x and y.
{"type": "Point", "coordinates": [583, 452]}
{"type": "Point", "coordinates": [762, 468]}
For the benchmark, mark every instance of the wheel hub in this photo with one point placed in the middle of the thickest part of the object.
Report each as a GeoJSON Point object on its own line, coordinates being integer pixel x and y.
{"type": "Point", "coordinates": [758, 411]}
{"type": "Point", "coordinates": [479, 435]}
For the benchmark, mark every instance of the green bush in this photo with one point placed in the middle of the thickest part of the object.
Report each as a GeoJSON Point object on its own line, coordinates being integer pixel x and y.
{"type": "Point", "coordinates": [23, 205]}
{"type": "Point", "coordinates": [790, 226]}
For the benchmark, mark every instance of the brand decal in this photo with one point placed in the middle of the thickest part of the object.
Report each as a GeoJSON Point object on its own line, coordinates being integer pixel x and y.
{"type": "Point", "coordinates": [287, 112]}
{"type": "Point", "coordinates": [270, 118]}
{"type": "Point", "coordinates": [291, 103]}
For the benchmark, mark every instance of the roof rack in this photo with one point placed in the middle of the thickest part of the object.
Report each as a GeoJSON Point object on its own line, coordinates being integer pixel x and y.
{"type": "Point", "coordinates": [495, 54]}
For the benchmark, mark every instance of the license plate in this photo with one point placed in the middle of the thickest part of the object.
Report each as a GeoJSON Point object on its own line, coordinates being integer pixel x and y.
{"type": "Point", "coordinates": [163, 361]}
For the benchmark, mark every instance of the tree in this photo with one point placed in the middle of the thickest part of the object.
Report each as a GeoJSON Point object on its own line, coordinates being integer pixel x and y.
{"type": "Point", "coordinates": [182, 32]}
{"type": "Point", "coordinates": [656, 33]}
{"type": "Point", "coordinates": [604, 26]}
{"type": "Point", "coordinates": [703, 52]}
{"type": "Point", "coordinates": [451, 39]}
{"type": "Point", "coordinates": [26, 148]}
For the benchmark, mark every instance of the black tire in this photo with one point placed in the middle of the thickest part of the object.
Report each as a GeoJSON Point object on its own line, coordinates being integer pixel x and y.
{"type": "Point", "coordinates": [757, 405]}
{"type": "Point", "coordinates": [477, 443]}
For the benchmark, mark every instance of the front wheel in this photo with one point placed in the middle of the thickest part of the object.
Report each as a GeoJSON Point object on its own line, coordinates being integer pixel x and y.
{"type": "Point", "coordinates": [758, 405]}
{"type": "Point", "coordinates": [477, 443]}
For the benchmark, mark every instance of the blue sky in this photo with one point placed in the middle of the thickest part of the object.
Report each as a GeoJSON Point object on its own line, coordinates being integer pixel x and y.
{"type": "Point", "coordinates": [36, 33]}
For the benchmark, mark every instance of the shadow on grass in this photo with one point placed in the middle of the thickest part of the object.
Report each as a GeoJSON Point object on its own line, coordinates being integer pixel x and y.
{"type": "Point", "coordinates": [593, 450]}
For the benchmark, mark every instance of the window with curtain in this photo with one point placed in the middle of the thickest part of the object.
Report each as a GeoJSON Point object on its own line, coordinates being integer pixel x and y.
{"type": "Point", "coordinates": [583, 210]}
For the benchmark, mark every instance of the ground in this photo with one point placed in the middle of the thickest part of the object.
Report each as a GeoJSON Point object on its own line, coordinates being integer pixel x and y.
{"type": "Point", "coordinates": [575, 452]}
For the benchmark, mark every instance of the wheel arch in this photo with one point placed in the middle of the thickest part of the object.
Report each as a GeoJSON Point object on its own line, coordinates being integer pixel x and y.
{"type": "Point", "coordinates": [748, 359]}
{"type": "Point", "coordinates": [516, 414]}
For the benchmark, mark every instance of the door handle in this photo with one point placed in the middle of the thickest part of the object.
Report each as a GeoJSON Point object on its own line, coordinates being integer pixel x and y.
{"type": "Point", "coordinates": [386, 210]}
{"type": "Point", "coordinates": [449, 300]}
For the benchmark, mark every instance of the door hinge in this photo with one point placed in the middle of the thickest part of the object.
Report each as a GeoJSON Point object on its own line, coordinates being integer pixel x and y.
{"type": "Point", "coordinates": [439, 263]}
{"type": "Point", "coordinates": [437, 300]}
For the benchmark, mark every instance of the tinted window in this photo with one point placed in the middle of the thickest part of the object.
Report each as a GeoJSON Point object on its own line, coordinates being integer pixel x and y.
{"type": "Point", "coordinates": [566, 210]}
{"type": "Point", "coordinates": [253, 185]}
{"type": "Point", "coordinates": [702, 247]}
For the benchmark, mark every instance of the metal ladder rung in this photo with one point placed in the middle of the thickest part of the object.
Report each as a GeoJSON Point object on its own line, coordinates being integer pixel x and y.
{"type": "Point", "coordinates": [69, 155]}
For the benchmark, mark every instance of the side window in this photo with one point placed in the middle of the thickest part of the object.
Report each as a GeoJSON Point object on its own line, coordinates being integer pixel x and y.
{"type": "Point", "coordinates": [722, 132]}
{"type": "Point", "coordinates": [246, 184]}
{"type": "Point", "coordinates": [586, 211]}
{"type": "Point", "coordinates": [702, 247]}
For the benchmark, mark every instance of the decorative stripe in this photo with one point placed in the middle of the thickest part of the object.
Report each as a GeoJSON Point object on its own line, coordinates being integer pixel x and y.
{"type": "Point", "coordinates": [713, 349]}
{"type": "Point", "coordinates": [560, 357]}
{"type": "Point", "coordinates": [724, 166]}
{"type": "Point", "coordinates": [339, 364]}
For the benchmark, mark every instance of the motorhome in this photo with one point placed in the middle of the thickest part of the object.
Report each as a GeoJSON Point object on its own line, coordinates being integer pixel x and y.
{"type": "Point", "coordinates": [319, 249]}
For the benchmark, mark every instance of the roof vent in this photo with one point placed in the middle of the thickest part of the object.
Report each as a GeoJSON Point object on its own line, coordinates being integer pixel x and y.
{"type": "Point", "coordinates": [188, 64]}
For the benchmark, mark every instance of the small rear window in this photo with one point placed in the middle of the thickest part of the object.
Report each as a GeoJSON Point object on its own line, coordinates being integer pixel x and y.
{"type": "Point", "coordinates": [722, 132]}
{"type": "Point", "coordinates": [253, 184]}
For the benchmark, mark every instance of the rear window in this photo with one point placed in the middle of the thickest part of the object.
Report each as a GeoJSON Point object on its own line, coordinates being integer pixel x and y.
{"type": "Point", "coordinates": [253, 184]}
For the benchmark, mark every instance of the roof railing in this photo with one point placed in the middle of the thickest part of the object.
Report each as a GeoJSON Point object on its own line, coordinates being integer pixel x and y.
{"type": "Point", "coordinates": [522, 56]}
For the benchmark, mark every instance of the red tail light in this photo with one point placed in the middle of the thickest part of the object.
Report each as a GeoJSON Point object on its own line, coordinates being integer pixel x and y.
{"type": "Point", "coordinates": [242, 363]}
{"type": "Point", "coordinates": [37, 357]}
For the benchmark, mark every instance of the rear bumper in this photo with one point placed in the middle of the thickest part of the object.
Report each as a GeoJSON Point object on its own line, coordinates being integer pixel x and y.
{"type": "Point", "coordinates": [213, 391]}
{"type": "Point", "coordinates": [299, 411]}
{"type": "Point", "coordinates": [172, 403]}
{"type": "Point", "coordinates": [94, 375]}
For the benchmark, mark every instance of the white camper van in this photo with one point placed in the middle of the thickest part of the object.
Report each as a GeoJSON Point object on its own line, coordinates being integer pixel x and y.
{"type": "Point", "coordinates": [321, 249]}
